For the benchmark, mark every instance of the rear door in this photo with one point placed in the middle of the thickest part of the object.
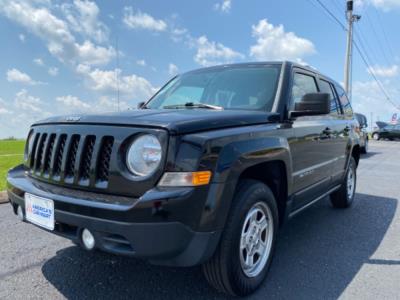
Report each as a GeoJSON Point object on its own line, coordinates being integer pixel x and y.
{"type": "Point", "coordinates": [311, 149]}
{"type": "Point", "coordinates": [340, 124]}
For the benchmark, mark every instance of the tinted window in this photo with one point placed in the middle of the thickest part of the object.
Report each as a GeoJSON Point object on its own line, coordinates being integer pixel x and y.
{"type": "Point", "coordinates": [302, 84]}
{"type": "Point", "coordinates": [325, 87]}
{"type": "Point", "coordinates": [362, 120]}
{"type": "Point", "coordinates": [344, 101]}
{"type": "Point", "coordinates": [250, 88]}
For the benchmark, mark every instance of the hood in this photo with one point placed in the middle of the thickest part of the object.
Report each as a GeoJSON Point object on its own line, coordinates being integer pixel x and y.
{"type": "Point", "coordinates": [177, 121]}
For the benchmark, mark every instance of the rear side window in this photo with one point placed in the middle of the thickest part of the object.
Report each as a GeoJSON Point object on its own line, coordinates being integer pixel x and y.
{"type": "Point", "coordinates": [326, 87]}
{"type": "Point", "coordinates": [303, 84]}
{"type": "Point", "coordinates": [344, 101]}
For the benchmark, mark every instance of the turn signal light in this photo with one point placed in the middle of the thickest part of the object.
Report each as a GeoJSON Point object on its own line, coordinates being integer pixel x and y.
{"type": "Point", "coordinates": [185, 178]}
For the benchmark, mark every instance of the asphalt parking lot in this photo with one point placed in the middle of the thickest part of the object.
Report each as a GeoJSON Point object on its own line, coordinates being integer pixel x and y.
{"type": "Point", "coordinates": [322, 253]}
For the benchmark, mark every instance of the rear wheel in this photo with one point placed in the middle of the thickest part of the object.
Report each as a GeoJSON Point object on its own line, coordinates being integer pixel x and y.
{"type": "Point", "coordinates": [344, 196]}
{"type": "Point", "coordinates": [376, 136]}
{"type": "Point", "coordinates": [244, 254]}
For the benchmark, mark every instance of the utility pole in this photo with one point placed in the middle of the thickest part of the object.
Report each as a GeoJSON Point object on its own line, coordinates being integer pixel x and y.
{"type": "Point", "coordinates": [351, 18]}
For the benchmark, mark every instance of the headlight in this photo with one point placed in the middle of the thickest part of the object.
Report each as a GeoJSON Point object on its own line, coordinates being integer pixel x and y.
{"type": "Point", "coordinates": [144, 155]}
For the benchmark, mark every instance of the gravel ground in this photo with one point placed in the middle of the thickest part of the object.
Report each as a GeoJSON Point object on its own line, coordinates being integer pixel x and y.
{"type": "Point", "coordinates": [322, 253]}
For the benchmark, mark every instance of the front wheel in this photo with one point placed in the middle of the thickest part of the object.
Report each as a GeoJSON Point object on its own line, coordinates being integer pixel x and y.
{"type": "Point", "coordinates": [376, 136]}
{"type": "Point", "coordinates": [344, 196]}
{"type": "Point", "coordinates": [244, 254]}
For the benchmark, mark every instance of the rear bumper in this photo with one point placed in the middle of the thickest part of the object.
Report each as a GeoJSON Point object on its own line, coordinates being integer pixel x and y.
{"type": "Point", "coordinates": [114, 225]}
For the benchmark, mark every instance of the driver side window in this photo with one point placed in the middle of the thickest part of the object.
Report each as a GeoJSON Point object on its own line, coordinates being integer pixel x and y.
{"type": "Point", "coordinates": [302, 84]}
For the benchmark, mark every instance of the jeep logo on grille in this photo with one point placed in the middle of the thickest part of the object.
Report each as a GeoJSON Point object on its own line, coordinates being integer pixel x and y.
{"type": "Point", "coordinates": [72, 119]}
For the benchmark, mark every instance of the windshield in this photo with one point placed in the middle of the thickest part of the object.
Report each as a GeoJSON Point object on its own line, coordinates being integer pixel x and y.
{"type": "Point", "coordinates": [243, 87]}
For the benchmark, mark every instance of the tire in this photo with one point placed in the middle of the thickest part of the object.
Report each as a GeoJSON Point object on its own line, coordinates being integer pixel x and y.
{"type": "Point", "coordinates": [364, 150]}
{"type": "Point", "coordinates": [344, 196]}
{"type": "Point", "coordinates": [376, 136]}
{"type": "Point", "coordinates": [227, 270]}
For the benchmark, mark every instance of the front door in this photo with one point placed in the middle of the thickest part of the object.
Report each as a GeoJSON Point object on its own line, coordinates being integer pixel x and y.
{"type": "Point", "coordinates": [311, 148]}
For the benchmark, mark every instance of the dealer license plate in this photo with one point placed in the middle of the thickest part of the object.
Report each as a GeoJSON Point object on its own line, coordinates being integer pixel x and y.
{"type": "Point", "coordinates": [39, 211]}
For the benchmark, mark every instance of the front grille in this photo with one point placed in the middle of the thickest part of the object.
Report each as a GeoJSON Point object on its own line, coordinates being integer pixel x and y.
{"type": "Point", "coordinates": [89, 158]}
{"type": "Point", "coordinates": [71, 158]}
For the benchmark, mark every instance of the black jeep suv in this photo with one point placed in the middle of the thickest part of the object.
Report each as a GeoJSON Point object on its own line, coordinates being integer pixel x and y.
{"type": "Point", "coordinates": [204, 173]}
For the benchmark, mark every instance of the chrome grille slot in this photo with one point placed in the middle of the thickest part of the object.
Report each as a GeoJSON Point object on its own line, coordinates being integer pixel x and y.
{"type": "Point", "coordinates": [87, 153]}
{"type": "Point", "coordinates": [48, 154]}
{"type": "Point", "coordinates": [33, 151]}
{"type": "Point", "coordinates": [71, 158]}
{"type": "Point", "coordinates": [59, 155]}
{"type": "Point", "coordinates": [103, 162]}
{"type": "Point", "coordinates": [39, 152]}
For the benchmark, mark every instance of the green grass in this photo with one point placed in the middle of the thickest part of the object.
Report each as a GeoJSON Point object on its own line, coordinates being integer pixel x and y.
{"type": "Point", "coordinates": [11, 154]}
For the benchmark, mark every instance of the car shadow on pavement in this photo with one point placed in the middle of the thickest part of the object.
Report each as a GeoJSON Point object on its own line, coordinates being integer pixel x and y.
{"type": "Point", "coordinates": [318, 254]}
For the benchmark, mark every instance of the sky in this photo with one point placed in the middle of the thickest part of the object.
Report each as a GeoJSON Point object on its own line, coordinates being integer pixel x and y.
{"type": "Point", "coordinates": [64, 57]}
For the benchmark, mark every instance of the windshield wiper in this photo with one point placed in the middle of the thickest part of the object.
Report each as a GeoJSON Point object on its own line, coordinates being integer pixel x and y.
{"type": "Point", "coordinates": [194, 105]}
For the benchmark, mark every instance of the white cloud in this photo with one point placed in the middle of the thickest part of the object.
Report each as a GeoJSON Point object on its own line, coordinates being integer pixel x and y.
{"type": "Point", "coordinates": [73, 103]}
{"type": "Point", "coordinates": [141, 62]}
{"type": "Point", "coordinates": [38, 61]}
{"type": "Point", "coordinates": [3, 109]}
{"type": "Point", "coordinates": [110, 81]}
{"type": "Point", "coordinates": [15, 75]}
{"type": "Point", "coordinates": [368, 97]}
{"type": "Point", "coordinates": [141, 20]}
{"type": "Point", "coordinates": [385, 5]}
{"type": "Point", "coordinates": [111, 104]}
{"type": "Point", "coordinates": [83, 17]}
{"type": "Point", "coordinates": [381, 71]}
{"type": "Point", "coordinates": [224, 6]}
{"type": "Point", "coordinates": [273, 43]}
{"type": "Point", "coordinates": [19, 114]}
{"type": "Point", "coordinates": [53, 71]}
{"type": "Point", "coordinates": [212, 53]}
{"type": "Point", "coordinates": [173, 69]}
{"type": "Point", "coordinates": [21, 37]}
{"type": "Point", "coordinates": [27, 102]}
{"type": "Point", "coordinates": [56, 33]}
{"type": "Point", "coordinates": [88, 53]}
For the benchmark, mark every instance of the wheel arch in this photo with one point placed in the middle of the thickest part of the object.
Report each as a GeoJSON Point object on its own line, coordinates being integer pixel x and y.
{"type": "Point", "coordinates": [266, 160]}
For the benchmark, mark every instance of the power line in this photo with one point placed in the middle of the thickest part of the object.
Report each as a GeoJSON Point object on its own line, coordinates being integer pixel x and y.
{"type": "Point", "coordinates": [379, 42]}
{"type": "Point", "coordinates": [372, 72]}
{"type": "Point", "coordinates": [384, 32]}
{"type": "Point", "coordinates": [326, 9]}
{"type": "Point", "coordinates": [338, 8]}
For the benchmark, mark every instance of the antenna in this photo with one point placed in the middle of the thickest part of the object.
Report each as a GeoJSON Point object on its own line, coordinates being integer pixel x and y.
{"type": "Point", "coordinates": [117, 70]}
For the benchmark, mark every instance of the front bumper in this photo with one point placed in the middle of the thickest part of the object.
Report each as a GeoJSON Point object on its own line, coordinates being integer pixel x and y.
{"type": "Point", "coordinates": [160, 235]}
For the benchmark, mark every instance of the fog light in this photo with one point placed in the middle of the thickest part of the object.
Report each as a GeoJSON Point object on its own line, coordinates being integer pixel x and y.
{"type": "Point", "coordinates": [88, 239]}
{"type": "Point", "coordinates": [20, 213]}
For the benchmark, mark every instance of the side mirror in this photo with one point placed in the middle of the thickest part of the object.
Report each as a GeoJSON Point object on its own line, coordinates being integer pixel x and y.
{"type": "Point", "coordinates": [140, 105]}
{"type": "Point", "coordinates": [312, 104]}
